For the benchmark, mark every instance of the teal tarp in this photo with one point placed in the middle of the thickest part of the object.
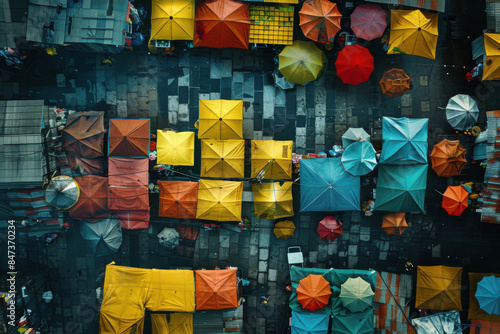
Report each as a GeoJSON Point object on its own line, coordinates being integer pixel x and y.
{"type": "Point", "coordinates": [401, 188]}
{"type": "Point", "coordinates": [353, 323]}
{"type": "Point", "coordinates": [326, 186]}
{"type": "Point", "coordinates": [309, 323]}
{"type": "Point", "coordinates": [405, 141]}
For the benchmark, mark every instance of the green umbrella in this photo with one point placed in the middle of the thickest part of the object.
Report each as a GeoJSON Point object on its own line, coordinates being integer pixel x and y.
{"type": "Point", "coordinates": [359, 158]}
{"type": "Point", "coordinates": [356, 294]}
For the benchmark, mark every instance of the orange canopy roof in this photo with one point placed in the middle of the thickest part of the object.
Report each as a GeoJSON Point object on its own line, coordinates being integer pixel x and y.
{"type": "Point", "coordinates": [216, 289]}
{"type": "Point", "coordinates": [320, 20]}
{"type": "Point", "coordinates": [455, 200]}
{"type": "Point", "coordinates": [222, 24]}
{"type": "Point", "coordinates": [178, 199]}
{"type": "Point", "coordinates": [83, 134]}
{"type": "Point", "coordinates": [448, 158]}
{"type": "Point", "coordinates": [93, 201]}
{"type": "Point", "coordinates": [313, 292]}
{"type": "Point", "coordinates": [129, 138]}
{"type": "Point", "coordinates": [394, 223]}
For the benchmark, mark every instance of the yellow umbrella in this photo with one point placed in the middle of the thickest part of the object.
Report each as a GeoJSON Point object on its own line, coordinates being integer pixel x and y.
{"type": "Point", "coordinates": [175, 148]}
{"type": "Point", "coordinates": [414, 33]}
{"type": "Point", "coordinates": [273, 157]}
{"type": "Point", "coordinates": [221, 119]}
{"type": "Point", "coordinates": [284, 229]}
{"type": "Point", "coordinates": [302, 62]}
{"type": "Point", "coordinates": [219, 200]}
{"type": "Point", "coordinates": [172, 20]}
{"type": "Point", "coordinates": [272, 200]}
{"type": "Point", "coordinates": [222, 158]}
{"type": "Point", "coordinates": [491, 69]}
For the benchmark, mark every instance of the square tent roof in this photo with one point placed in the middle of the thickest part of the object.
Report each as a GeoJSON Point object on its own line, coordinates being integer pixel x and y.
{"type": "Point", "coordinates": [439, 288]}
{"type": "Point", "coordinates": [216, 289]}
{"type": "Point", "coordinates": [273, 200]}
{"type": "Point", "coordinates": [172, 20]}
{"type": "Point", "coordinates": [316, 323]}
{"type": "Point", "coordinates": [129, 137]}
{"type": "Point", "coordinates": [175, 148]}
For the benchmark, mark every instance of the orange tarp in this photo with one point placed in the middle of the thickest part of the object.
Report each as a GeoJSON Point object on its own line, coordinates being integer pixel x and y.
{"type": "Point", "coordinates": [216, 289]}
{"type": "Point", "coordinates": [128, 138]}
{"type": "Point", "coordinates": [320, 20]}
{"type": "Point", "coordinates": [448, 158]}
{"type": "Point", "coordinates": [313, 292]}
{"type": "Point", "coordinates": [222, 24]}
{"type": "Point", "coordinates": [93, 201]}
{"type": "Point", "coordinates": [394, 223]}
{"type": "Point", "coordinates": [178, 199]}
{"type": "Point", "coordinates": [475, 312]}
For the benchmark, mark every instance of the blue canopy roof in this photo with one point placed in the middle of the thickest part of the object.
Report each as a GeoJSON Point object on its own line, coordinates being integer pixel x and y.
{"type": "Point", "coordinates": [309, 323]}
{"type": "Point", "coordinates": [326, 186]}
{"type": "Point", "coordinates": [405, 141]}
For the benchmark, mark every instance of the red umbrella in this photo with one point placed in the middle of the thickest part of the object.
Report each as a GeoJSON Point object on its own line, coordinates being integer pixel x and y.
{"type": "Point", "coordinates": [330, 228]}
{"type": "Point", "coordinates": [320, 20]}
{"type": "Point", "coordinates": [368, 21]}
{"type": "Point", "coordinates": [354, 64]}
{"type": "Point", "coordinates": [455, 200]}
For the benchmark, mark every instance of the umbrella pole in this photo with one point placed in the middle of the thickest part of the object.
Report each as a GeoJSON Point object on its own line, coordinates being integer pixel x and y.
{"type": "Point", "coordinates": [441, 108]}
{"type": "Point", "coordinates": [438, 192]}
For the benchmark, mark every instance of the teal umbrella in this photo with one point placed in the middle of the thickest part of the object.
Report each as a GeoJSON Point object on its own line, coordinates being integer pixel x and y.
{"type": "Point", "coordinates": [309, 323]}
{"type": "Point", "coordinates": [353, 135]}
{"type": "Point", "coordinates": [401, 188]}
{"type": "Point", "coordinates": [488, 294]}
{"type": "Point", "coordinates": [103, 237]}
{"type": "Point", "coordinates": [356, 294]}
{"type": "Point", "coordinates": [359, 158]}
{"type": "Point", "coordinates": [62, 192]}
{"type": "Point", "coordinates": [353, 323]}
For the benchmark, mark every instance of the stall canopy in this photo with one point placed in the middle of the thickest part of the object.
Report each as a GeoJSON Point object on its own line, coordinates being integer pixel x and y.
{"type": "Point", "coordinates": [221, 119]}
{"type": "Point", "coordinates": [326, 186]}
{"type": "Point", "coordinates": [448, 158]}
{"type": "Point", "coordinates": [313, 292]}
{"type": "Point", "coordinates": [394, 223]}
{"type": "Point", "coordinates": [168, 238]}
{"type": "Point", "coordinates": [462, 112]}
{"type": "Point", "coordinates": [284, 229]}
{"type": "Point", "coordinates": [491, 69]}
{"type": "Point", "coordinates": [62, 192]}
{"type": "Point", "coordinates": [455, 200]}
{"type": "Point", "coordinates": [104, 237]}
{"type": "Point", "coordinates": [439, 288]}
{"type": "Point", "coordinates": [488, 294]}
{"type": "Point", "coordinates": [83, 134]}
{"type": "Point", "coordinates": [272, 157]}
{"type": "Point", "coordinates": [401, 188]}
{"type": "Point", "coordinates": [222, 24]}
{"type": "Point", "coordinates": [216, 289]}
{"type": "Point", "coordinates": [320, 20]}
{"type": "Point", "coordinates": [302, 62]}
{"type": "Point", "coordinates": [405, 141]}
{"type": "Point", "coordinates": [128, 138]}
{"type": "Point", "coordinates": [309, 323]}
{"type": "Point", "coordinates": [356, 294]}
{"type": "Point", "coordinates": [222, 158]}
{"type": "Point", "coordinates": [368, 21]}
{"type": "Point", "coordinates": [219, 200]}
{"type": "Point", "coordinates": [353, 323]}
{"type": "Point", "coordinates": [354, 64]}
{"type": "Point", "coordinates": [359, 158]}
{"type": "Point", "coordinates": [395, 82]}
{"type": "Point", "coordinates": [124, 198]}
{"type": "Point", "coordinates": [178, 199]}
{"type": "Point", "coordinates": [175, 148]}
{"type": "Point", "coordinates": [329, 228]}
{"type": "Point", "coordinates": [172, 20]}
{"type": "Point", "coordinates": [414, 33]}
{"type": "Point", "coordinates": [272, 200]}
{"type": "Point", "coordinates": [93, 201]}
{"type": "Point", "coordinates": [353, 135]}
{"type": "Point", "coordinates": [128, 172]}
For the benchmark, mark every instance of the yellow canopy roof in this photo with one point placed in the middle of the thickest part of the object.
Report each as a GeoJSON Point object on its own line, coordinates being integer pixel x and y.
{"type": "Point", "coordinates": [277, 153]}
{"type": "Point", "coordinates": [491, 69]}
{"type": "Point", "coordinates": [221, 119]}
{"type": "Point", "coordinates": [272, 200]}
{"type": "Point", "coordinates": [222, 158]}
{"type": "Point", "coordinates": [171, 290]}
{"type": "Point", "coordinates": [284, 229]}
{"type": "Point", "coordinates": [175, 148]}
{"type": "Point", "coordinates": [172, 20]}
{"type": "Point", "coordinates": [179, 323]}
{"type": "Point", "coordinates": [439, 288]}
{"type": "Point", "coordinates": [219, 200]}
{"type": "Point", "coordinates": [414, 33]}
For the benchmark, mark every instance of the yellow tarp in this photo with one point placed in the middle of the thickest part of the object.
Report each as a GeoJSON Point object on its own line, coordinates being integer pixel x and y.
{"type": "Point", "coordinates": [491, 69]}
{"type": "Point", "coordinates": [172, 20]}
{"type": "Point", "coordinates": [277, 153]}
{"type": "Point", "coordinates": [171, 290]}
{"type": "Point", "coordinates": [219, 200]}
{"type": "Point", "coordinates": [414, 33]}
{"type": "Point", "coordinates": [439, 288]}
{"type": "Point", "coordinates": [175, 323]}
{"type": "Point", "coordinates": [222, 158]}
{"type": "Point", "coordinates": [175, 148]}
{"type": "Point", "coordinates": [272, 200]}
{"type": "Point", "coordinates": [475, 312]}
{"type": "Point", "coordinates": [221, 119]}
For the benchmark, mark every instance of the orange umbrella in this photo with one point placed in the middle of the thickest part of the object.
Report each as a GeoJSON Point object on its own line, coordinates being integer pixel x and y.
{"type": "Point", "coordinates": [395, 82]}
{"type": "Point", "coordinates": [320, 20]}
{"type": "Point", "coordinates": [216, 289]}
{"type": "Point", "coordinates": [448, 158]}
{"type": "Point", "coordinates": [222, 24]}
{"type": "Point", "coordinates": [394, 223]}
{"type": "Point", "coordinates": [93, 201]}
{"type": "Point", "coordinates": [178, 199]}
{"type": "Point", "coordinates": [313, 292]}
{"type": "Point", "coordinates": [455, 200]}
{"type": "Point", "coordinates": [128, 138]}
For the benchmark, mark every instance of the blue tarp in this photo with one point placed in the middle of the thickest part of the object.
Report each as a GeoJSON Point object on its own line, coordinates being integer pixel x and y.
{"type": "Point", "coordinates": [309, 323]}
{"type": "Point", "coordinates": [405, 141]}
{"type": "Point", "coordinates": [326, 186]}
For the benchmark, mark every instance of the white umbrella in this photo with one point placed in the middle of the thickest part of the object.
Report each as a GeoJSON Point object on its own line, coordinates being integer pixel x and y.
{"type": "Point", "coordinates": [354, 134]}
{"type": "Point", "coordinates": [462, 112]}
{"type": "Point", "coordinates": [168, 238]}
{"type": "Point", "coordinates": [103, 237]}
{"type": "Point", "coordinates": [62, 192]}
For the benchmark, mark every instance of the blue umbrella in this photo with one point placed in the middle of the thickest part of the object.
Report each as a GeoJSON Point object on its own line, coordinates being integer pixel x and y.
{"type": "Point", "coordinates": [405, 141]}
{"type": "Point", "coordinates": [359, 158]}
{"type": "Point", "coordinates": [488, 294]}
{"type": "Point", "coordinates": [309, 323]}
{"type": "Point", "coordinates": [326, 186]}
